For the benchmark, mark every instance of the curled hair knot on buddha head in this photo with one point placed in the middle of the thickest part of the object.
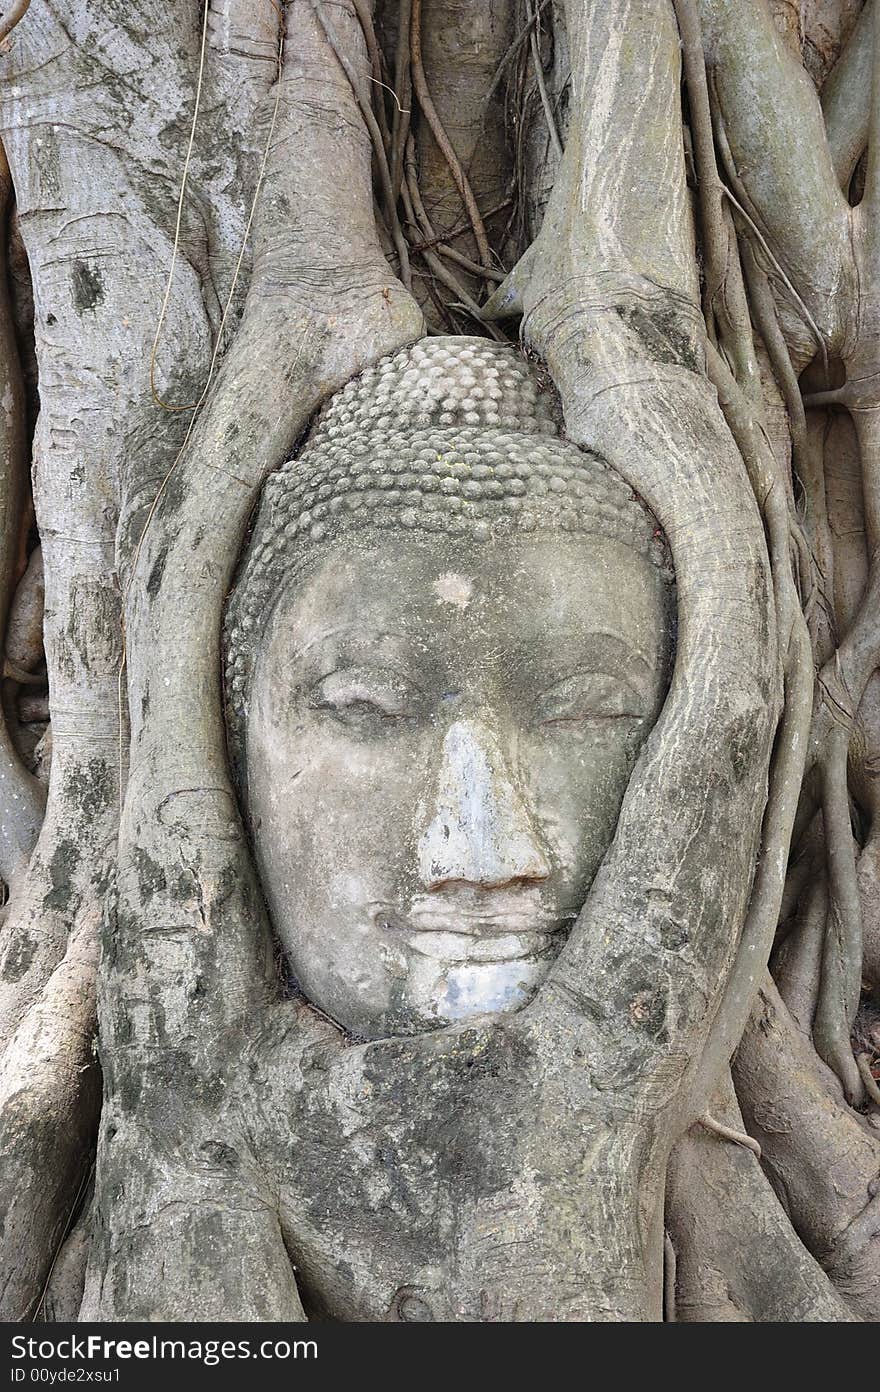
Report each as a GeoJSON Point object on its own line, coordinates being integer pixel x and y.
{"type": "Point", "coordinates": [454, 436]}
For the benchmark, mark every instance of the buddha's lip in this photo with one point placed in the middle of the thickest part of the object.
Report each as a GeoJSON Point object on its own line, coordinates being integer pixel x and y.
{"type": "Point", "coordinates": [486, 946]}
{"type": "Point", "coordinates": [450, 932]}
{"type": "Point", "coordinates": [477, 925]}
{"type": "Point", "coordinates": [463, 908]}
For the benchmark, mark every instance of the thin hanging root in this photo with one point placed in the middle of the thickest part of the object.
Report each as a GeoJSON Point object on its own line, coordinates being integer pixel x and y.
{"type": "Point", "coordinates": [542, 86]}
{"type": "Point", "coordinates": [364, 101]}
{"type": "Point", "coordinates": [739, 391]}
{"type": "Point", "coordinates": [196, 406]}
{"type": "Point", "coordinates": [844, 677]}
{"type": "Point", "coordinates": [514, 49]}
{"type": "Point", "coordinates": [417, 215]}
{"type": "Point", "coordinates": [767, 320]}
{"type": "Point", "coordinates": [400, 121]}
{"type": "Point", "coordinates": [73, 1213]}
{"type": "Point", "coordinates": [814, 557]}
{"type": "Point", "coordinates": [787, 766]}
{"type": "Point", "coordinates": [871, 197]}
{"type": "Point", "coordinates": [841, 686]}
{"type": "Point", "coordinates": [432, 117]}
{"type": "Point", "coordinates": [190, 406]}
{"type": "Point", "coordinates": [441, 241]}
{"type": "Point", "coordinates": [727, 1133]}
{"type": "Point", "coordinates": [724, 283]}
{"type": "Point", "coordinates": [365, 19]}
{"type": "Point", "coordinates": [808, 467]}
{"type": "Point", "coordinates": [773, 499]}
{"type": "Point", "coordinates": [842, 954]}
{"type": "Point", "coordinates": [466, 264]}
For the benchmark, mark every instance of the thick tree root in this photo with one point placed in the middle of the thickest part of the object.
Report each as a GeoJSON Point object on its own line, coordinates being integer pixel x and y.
{"type": "Point", "coordinates": [49, 1099]}
{"type": "Point", "coordinates": [737, 1256]}
{"type": "Point", "coordinates": [824, 1161]}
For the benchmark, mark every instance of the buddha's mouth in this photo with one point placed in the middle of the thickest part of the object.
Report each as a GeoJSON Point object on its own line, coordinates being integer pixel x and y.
{"type": "Point", "coordinates": [461, 928]}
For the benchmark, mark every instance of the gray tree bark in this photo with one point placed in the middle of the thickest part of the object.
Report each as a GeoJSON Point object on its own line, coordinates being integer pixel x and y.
{"type": "Point", "coordinates": [215, 216]}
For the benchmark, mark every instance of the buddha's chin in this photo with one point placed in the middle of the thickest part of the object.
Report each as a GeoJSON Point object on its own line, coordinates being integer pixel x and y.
{"type": "Point", "coordinates": [438, 993]}
{"type": "Point", "coordinates": [422, 980]}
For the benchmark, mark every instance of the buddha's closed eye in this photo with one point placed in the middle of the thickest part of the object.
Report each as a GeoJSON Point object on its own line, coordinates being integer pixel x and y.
{"type": "Point", "coordinates": [586, 697]}
{"type": "Point", "coordinates": [356, 696]}
{"type": "Point", "coordinates": [376, 698]}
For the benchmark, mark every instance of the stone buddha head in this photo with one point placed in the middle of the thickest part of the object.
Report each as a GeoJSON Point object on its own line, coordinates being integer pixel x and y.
{"type": "Point", "coordinates": [450, 634]}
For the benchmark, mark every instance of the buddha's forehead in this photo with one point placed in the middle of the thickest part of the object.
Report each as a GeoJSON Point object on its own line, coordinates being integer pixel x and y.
{"type": "Point", "coordinates": [544, 592]}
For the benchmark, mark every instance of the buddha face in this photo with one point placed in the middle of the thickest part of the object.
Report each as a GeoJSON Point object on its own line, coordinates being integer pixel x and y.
{"type": "Point", "coordinates": [439, 738]}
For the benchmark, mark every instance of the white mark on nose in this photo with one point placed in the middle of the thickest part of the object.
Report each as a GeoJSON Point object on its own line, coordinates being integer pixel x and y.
{"type": "Point", "coordinates": [480, 831]}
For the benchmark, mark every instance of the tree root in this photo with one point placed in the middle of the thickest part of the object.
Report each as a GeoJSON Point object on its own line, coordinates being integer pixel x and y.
{"type": "Point", "coordinates": [738, 1258]}
{"type": "Point", "coordinates": [728, 1133]}
{"type": "Point", "coordinates": [429, 110]}
{"type": "Point", "coordinates": [49, 1099]}
{"type": "Point", "coordinates": [365, 105]}
{"type": "Point", "coordinates": [797, 964]}
{"type": "Point", "coordinates": [863, 1063]}
{"type": "Point", "coordinates": [822, 1158]}
{"type": "Point", "coordinates": [22, 798]}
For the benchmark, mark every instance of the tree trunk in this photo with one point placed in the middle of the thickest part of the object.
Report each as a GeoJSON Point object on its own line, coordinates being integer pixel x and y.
{"type": "Point", "coordinates": [216, 215]}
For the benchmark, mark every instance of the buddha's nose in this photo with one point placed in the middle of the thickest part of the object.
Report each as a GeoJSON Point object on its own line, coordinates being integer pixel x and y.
{"type": "Point", "coordinates": [480, 831]}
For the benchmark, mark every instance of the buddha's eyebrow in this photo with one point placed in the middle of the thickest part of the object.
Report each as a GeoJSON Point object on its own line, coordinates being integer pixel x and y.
{"type": "Point", "coordinates": [598, 646]}
{"type": "Point", "coordinates": [615, 645]}
{"type": "Point", "coordinates": [349, 633]}
{"type": "Point", "coordinates": [635, 684]}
